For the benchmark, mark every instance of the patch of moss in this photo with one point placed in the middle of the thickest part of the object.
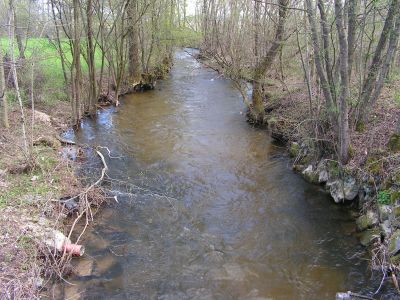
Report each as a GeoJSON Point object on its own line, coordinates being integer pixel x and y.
{"type": "Point", "coordinates": [396, 211]}
{"type": "Point", "coordinates": [395, 196]}
{"type": "Point", "coordinates": [394, 143]}
{"type": "Point", "coordinates": [360, 127]}
{"type": "Point", "coordinates": [366, 221]}
{"type": "Point", "coordinates": [351, 151]}
{"type": "Point", "coordinates": [333, 169]}
{"type": "Point", "coordinates": [294, 149]}
{"type": "Point", "coordinates": [369, 236]}
{"type": "Point", "coordinates": [395, 260]}
{"type": "Point", "coordinates": [393, 247]}
{"type": "Point", "coordinates": [374, 166]}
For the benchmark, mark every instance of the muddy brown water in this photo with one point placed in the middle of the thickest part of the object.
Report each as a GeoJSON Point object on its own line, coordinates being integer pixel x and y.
{"type": "Point", "coordinates": [208, 207]}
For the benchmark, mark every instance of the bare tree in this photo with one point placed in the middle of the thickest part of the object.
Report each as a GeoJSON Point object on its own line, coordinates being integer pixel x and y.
{"type": "Point", "coordinates": [11, 26]}
{"type": "Point", "coordinates": [3, 98]}
{"type": "Point", "coordinates": [266, 61]}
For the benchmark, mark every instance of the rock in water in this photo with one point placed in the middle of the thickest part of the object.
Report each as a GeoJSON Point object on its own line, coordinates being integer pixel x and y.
{"type": "Point", "coordinates": [341, 190]}
{"type": "Point", "coordinates": [84, 267]}
{"type": "Point", "coordinates": [366, 221]}
{"type": "Point", "coordinates": [394, 244]}
{"type": "Point", "coordinates": [310, 175]}
{"type": "Point", "coordinates": [384, 212]}
{"type": "Point", "coordinates": [369, 236]}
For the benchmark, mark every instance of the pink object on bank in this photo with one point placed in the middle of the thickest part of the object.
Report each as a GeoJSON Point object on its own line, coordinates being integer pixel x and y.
{"type": "Point", "coordinates": [74, 249]}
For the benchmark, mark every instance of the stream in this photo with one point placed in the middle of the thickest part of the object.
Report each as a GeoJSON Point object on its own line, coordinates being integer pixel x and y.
{"type": "Point", "coordinates": [208, 206]}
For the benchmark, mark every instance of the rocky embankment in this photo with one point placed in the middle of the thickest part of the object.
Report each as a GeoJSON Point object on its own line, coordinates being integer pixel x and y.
{"type": "Point", "coordinates": [378, 222]}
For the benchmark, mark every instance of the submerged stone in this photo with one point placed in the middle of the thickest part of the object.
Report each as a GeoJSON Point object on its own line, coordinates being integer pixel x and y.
{"type": "Point", "coordinates": [84, 267]}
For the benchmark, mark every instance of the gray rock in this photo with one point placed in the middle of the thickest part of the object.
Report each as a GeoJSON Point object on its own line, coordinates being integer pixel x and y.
{"type": "Point", "coordinates": [367, 237]}
{"type": "Point", "coordinates": [366, 221]}
{"type": "Point", "coordinates": [310, 174]}
{"type": "Point", "coordinates": [341, 190]}
{"type": "Point", "coordinates": [384, 212]}
{"type": "Point", "coordinates": [394, 244]}
{"type": "Point", "coordinates": [70, 203]}
{"type": "Point", "coordinates": [386, 228]}
{"type": "Point", "coordinates": [323, 176]}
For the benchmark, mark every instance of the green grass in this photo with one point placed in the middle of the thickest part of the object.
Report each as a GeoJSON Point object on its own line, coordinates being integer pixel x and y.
{"type": "Point", "coordinates": [48, 65]}
{"type": "Point", "coordinates": [22, 186]}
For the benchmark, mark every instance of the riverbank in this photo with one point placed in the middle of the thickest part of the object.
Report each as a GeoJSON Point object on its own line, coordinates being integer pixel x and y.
{"type": "Point", "coordinates": [369, 183]}
{"type": "Point", "coordinates": [41, 199]}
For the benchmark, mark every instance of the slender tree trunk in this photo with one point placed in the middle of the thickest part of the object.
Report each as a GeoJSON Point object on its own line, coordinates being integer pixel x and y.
{"type": "Point", "coordinates": [18, 36]}
{"type": "Point", "coordinates": [76, 67]}
{"type": "Point", "coordinates": [376, 64]}
{"type": "Point", "coordinates": [351, 36]}
{"type": "Point", "coordinates": [326, 89]}
{"type": "Point", "coordinates": [59, 46]}
{"type": "Point", "coordinates": [388, 60]}
{"type": "Point", "coordinates": [133, 43]}
{"type": "Point", "coordinates": [3, 98]}
{"type": "Point", "coordinates": [11, 33]}
{"type": "Point", "coordinates": [343, 122]}
{"type": "Point", "coordinates": [266, 62]}
{"type": "Point", "coordinates": [91, 60]}
{"type": "Point", "coordinates": [326, 49]}
{"type": "Point", "coordinates": [184, 13]}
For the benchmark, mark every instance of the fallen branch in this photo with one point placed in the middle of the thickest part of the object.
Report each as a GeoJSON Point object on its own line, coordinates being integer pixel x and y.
{"type": "Point", "coordinates": [83, 195]}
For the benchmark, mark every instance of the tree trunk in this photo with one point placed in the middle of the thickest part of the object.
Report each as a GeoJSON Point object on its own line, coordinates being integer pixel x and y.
{"type": "Point", "coordinates": [3, 98]}
{"type": "Point", "coordinates": [376, 64]}
{"type": "Point", "coordinates": [262, 67]}
{"type": "Point", "coordinates": [76, 72]}
{"type": "Point", "coordinates": [325, 41]}
{"type": "Point", "coordinates": [133, 43]}
{"type": "Point", "coordinates": [351, 36]}
{"type": "Point", "coordinates": [343, 122]}
{"type": "Point", "coordinates": [91, 60]}
{"type": "Point", "coordinates": [18, 37]}
{"type": "Point", "coordinates": [388, 60]}
{"type": "Point", "coordinates": [326, 88]}
{"type": "Point", "coordinates": [11, 27]}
